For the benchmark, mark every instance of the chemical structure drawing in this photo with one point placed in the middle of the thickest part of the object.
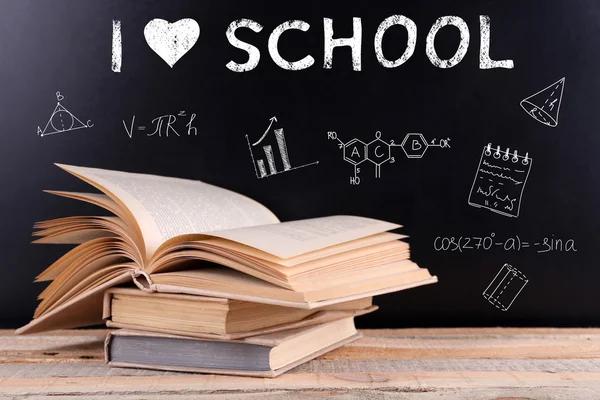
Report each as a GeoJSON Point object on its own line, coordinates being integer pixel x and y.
{"type": "Point", "coordinates": [379, 152]}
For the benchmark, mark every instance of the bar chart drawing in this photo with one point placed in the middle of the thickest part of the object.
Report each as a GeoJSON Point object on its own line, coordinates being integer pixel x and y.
{"type": "Point", "coordinates": [270, 159]}
{"type": "Point", "coordinates": [269, 154]}
{"type": "Point", "coordinates": [285, 158]}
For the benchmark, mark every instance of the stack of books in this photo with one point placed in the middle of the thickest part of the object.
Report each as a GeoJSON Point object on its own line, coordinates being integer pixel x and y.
{"type": "Point", "coordinates": [218, 335]}
{"type": "Point", "coordinates": [195, 277]}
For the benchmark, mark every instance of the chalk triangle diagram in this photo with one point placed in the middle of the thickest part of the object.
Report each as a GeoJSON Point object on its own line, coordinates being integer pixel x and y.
{"type": "Point", "coordinates": [544, 105]}
{"type": "Point", "coordinates": [61, 120]}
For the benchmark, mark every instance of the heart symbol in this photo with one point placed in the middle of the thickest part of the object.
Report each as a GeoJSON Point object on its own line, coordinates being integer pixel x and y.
{"type": "Point", "coordinates": [171, 40]}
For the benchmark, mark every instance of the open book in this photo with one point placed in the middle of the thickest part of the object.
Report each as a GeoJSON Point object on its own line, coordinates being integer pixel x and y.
{"type": "Point", "coordinates": [181, 236]}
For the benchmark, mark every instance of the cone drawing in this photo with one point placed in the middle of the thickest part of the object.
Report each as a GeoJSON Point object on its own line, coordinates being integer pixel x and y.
{"type": "Point", "coordinates": [544, 105]}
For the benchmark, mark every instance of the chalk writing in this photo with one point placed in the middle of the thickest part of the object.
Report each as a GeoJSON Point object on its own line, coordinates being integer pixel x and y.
{"type": "Point", "coordinates": [378, 151]}
{"type": "Point", "coordinates": [505, 287]}
{"type": "Point", "coordinates": [117, 47]}
{"type": "Point", "coordinates": [512, 243]}
{"type": "Point", "coordinates": [171, 40]}
{"type": "Point", "coordinates": [260, 169]}
{"type": "Point", "coordinates": [165, 124]}
{"type": "Point", "coordinates": [500, 180]}
{"type": "Point", "coordinates": [62, 120]}
{"type": "Point", "coordinates": [355, 42]}
{"type": "Point", "coordinates": [544, 105]}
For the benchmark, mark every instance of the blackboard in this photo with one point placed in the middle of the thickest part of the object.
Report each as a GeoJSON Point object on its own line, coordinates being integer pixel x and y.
{"type": "Point", "coordinates": [67, 46]}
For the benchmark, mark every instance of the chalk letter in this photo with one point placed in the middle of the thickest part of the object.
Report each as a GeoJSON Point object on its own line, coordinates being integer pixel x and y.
{"type": "Point", "coordinates": [355, 43]}
{"type": "Point", "coordinates": [253, 52]}
{"type": "Point", "coordinates": [117, 48]}
{"type": "Point", "coordinates": [485, 62]}
{"type": "Point", "coordinates": [274, 52]}
{"type": "Point", "coordinates": [411, 29]}
{"type": "Point", "coordinates": [462, 47]}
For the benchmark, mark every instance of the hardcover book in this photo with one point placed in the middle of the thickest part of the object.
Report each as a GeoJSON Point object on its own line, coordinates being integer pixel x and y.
{"type": "Point", "coordinates": [267, 355]}
{"type": "Point", "coordinates": [215, 317]}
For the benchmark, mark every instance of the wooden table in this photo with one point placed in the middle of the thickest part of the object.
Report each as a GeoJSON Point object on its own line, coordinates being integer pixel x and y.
{"type": "Point", "coordinates": [498, 363]}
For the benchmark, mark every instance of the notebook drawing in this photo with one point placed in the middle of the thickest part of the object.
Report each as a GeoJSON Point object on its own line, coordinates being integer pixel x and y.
{"type": "Point", "coordinates": [500, 180]}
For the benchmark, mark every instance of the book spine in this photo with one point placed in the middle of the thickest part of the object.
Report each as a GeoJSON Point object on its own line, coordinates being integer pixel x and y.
{"type": "Point", "coordinates": [143, 281]}
{"type": "Point", "coordinates": [107, 347]}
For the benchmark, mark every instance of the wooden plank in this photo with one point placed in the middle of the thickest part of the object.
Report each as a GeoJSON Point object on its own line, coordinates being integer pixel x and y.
{"type": "Point", "coordinates": [368, 394]}
{"type": "Point", "coordinates": [395, 346]}
{"type": "Point", "coordinates": [469, 363]}
{"type": "Point", "coordinates": [380, 332]}
{"type": "Point", "coordinates": [99, 369]}
{"type": "Point", "coordinates": [53, 348]}
{"type": "Point", "coordinates": [62, 332]}
{"type": "Point", "coordinates": [196, 384]}
{"type": "Point", "coordinates": [60, 355]}
{"type": "Point", "coordinates": [394, 349]}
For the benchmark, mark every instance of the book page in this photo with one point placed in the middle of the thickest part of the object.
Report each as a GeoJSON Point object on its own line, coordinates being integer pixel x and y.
{"type": "Point", "coordinates": [209, 243]}
{"type": "Point", "coordinates": [291, 239]}
{"type": "Point", "coordinates": [168, 207]}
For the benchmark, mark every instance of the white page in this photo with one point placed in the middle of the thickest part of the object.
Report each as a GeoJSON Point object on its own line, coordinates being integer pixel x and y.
{"type": "Point", "coordinates": [290, 239]}
{"type": "Point", "coordinates": [168, 207]}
